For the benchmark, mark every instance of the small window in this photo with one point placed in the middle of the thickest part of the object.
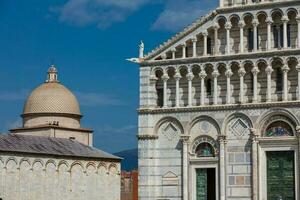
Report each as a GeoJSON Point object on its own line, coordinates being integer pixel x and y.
{"type": "Point", "coordinates": [251, 82]}
{"type": "Point", "coordinates": [279, 80]}
{"type": "Point", "coordinates": [289, 35]}
{"type": "Point", "coordinates": [209, 46]}
{"type": "Point", "coordinates": [250, 39]}
{"type": "Point", "coordinates": [208, 87]}
{"type": "Point", "coordinates": [205, 150]}
{"type": "Point", "coordinates": [279, 128]}
{"type": "Point", "coordinates": [160, 97]}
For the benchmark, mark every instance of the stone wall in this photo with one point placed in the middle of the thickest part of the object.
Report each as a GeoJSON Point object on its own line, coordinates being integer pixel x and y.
{"type": "Point", "coordinates": [30, 178]}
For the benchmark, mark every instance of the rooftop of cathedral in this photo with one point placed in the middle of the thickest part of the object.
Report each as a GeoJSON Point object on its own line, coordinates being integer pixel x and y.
{"type": "Point", "coordinates": [51, 147]}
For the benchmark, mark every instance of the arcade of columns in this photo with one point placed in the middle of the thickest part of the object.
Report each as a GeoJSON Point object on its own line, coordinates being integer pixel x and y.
{"type": "Point", "coordinates": [280, 17]}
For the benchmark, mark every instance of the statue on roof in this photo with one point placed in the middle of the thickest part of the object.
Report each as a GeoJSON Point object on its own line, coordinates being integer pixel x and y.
{"type": "Point", "coordinates": [142, 48]}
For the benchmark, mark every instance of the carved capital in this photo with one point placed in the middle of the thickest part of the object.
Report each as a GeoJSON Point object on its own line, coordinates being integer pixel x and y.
{"type": "Point", "coordinates": [242, 24]}
{"type": "Point", "coordinates": [183, 45]}
{"type": "Point", "coordinates": [285, 68]}
{"type": "Point", "coordinates": [254, 134]}
{"type": "Point", "coordinates": [203, 74]}
{"type": "Point", "coordinates": [173, 50]}
{"type": "Point", "coordinates": [194, 39]}
{"type": "Point", "coordinates": [165, 77]}
{"type": "Point", "coordinates": [215, 74]}
{"type": "Point", "coordinates": [242, 72]}
{"type": "Point", "coordinates": [216, 26]}
{"type": "Point", "coordinates": [185, 138]}
{"type": "Point", "coordinates": [205, 33]}
{"type": "Point", "coordinates": [285, 19]}
{"type": "Point", "coordinates": [190, 76]}
{"type": "Point", "coordinates": [255, 22]}
{"type": "Point", "coordinates": [228, 73]}
{"type": "Point", "coordinates": [222, 139]}
{"type": "Point", "coordinates": [228, 26]}
{"type": "Point", "coordinates": [269, 20]}
{"type": "Point", "coordinates": [269, 70]}
{"type": "Point", "coordinates": [177, 76]}
{"type": "Point", "coordinates": [255, 71]}
{"type": "Point", "coordinates": [164, 56]}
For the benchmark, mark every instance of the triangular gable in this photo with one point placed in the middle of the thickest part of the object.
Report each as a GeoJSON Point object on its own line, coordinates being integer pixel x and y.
{"type": "Point", "coordinates": [166, 46]}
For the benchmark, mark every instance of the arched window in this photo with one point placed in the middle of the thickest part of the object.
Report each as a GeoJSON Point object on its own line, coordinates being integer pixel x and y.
{"type": "Point", "coordinates": [160, 96]}
{"type": "Point", "coordinates": [209, 46]}
{"type": "Point", "coordinates": [279, 80]}
{"type": "Point", "coordinates": [279, 128]}
{"type": "Point", "coordinates": [208, 86]}
{"type": "Point", "coordinates": [204, 150]}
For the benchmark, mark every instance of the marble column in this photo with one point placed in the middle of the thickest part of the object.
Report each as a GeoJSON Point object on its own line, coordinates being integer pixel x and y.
{"type": "Point", "coordinates": [269, 71]}
{"type": "Point", "coordinates": [202, 76]}
{"type": "Point", "coordinates": [215, 75]}
{"type": "Point", "coordinates": [165, 79]}
{"type": "Point", "coordinates": [228, 75]}
{"type": "Point", "coordinates": [222, 143]}
{"type": "Point", "coordinates": [255, 72]}
{"type": "Point", "coordinates": [285, 21]}
{"type": "Point", "coordinates": [228, 26]}
{"type": "Point", "coordinates": [241, 25]}
{"type": "Point", "coordinates": [190, 77]}
{"type": "Point", "coordinates": [255, 25]}
{"type": "Point", "coordinates": [205, 34]}
{"type": "Point", "coordinates": [185, 171]}
{"type": "Point", "coordinates": [298, 86]}
{"type": "Point", "coordinates": [152, 91]}
{"type": "Point", "coordinates": [285, 70]}
{"type": "Point", "coordinates": [194, 41]}
{"type": "Point", "coordinates": [242, 73]}
{"type": "Point", "coordinates": [216, 49]}
{"type": "Point", "coordinates": [298, 32]}
{"type": "Point", "coordinates": [173, 50]}
{"type": "Point", "coordinates": [183, 46]}
{"type": "Point", "coordinates": [254, 138]}
{"type": "Point", "coordinates": [177, 91]}
{"type": "Point", "coordinates": [269, 22]}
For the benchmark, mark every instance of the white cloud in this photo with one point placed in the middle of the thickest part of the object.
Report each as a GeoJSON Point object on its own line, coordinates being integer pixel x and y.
{"type": "Point", "coordinates": [97, 99]}
{"type": "Point", "coordinates": [116, 130]}
{"type": "Point", "coordinates": [180, 13]}
{"type": "Point", "coordinates": [102, 13]}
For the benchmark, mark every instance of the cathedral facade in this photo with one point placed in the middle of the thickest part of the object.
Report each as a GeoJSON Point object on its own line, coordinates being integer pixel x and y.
{"type": "Point", "coordinates": [219, 115]}
{"type": "Point", "coordinates": [51, 156]}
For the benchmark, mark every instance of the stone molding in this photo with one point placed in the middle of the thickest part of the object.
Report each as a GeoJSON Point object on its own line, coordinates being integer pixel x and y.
{"type": "Point", "coordinates": [223, 107]}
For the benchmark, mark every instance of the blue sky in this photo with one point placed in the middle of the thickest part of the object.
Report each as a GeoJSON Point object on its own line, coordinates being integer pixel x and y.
{"type": "Point", "coordinates": [88, 41]}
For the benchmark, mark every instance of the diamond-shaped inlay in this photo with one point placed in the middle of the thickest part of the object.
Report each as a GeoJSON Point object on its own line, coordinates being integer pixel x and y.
{"type": "Point", "coordinates": [239, 128]}
{"type": "Point", "coordinates": [170, 131]}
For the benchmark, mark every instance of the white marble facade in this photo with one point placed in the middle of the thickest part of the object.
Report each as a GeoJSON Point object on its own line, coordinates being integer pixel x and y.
{"type": "Point", "coordinates": [226, 81]}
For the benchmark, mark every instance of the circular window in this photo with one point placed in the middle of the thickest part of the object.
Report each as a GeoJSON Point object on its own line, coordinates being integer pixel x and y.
{"type": "Point", "coordinates": [279, 128]}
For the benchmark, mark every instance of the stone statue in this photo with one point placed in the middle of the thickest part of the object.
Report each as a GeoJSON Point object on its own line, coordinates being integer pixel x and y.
{"type": "Point", "coordinates": [142, 47]}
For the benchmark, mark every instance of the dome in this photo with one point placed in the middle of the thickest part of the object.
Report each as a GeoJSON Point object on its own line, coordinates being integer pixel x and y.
{"type": "Point", "coordinates": [52, 97]}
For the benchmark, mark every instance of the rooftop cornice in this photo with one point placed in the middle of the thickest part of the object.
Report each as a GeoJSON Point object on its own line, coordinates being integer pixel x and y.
{"type": "Point", "coordinates": [258, 6]}
{"type": "Point", "coordinates": [222, 58]}
{"type": "Point", "coordinates": [219, 107]}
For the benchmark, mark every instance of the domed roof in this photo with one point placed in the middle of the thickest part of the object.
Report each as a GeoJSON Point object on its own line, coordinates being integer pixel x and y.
{"type": "Point", "coordinates": [52, 97]}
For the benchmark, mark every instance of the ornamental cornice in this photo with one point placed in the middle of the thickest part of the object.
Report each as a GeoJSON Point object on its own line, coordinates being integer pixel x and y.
{"type": "Point", "coordinates": [225, 107]}
{"type": "Point", "coordinates": [147, 137]}
{"type": "Point", "coordinates": [259, 6]}
{"type": "Point", "coordinates": [224, 58]}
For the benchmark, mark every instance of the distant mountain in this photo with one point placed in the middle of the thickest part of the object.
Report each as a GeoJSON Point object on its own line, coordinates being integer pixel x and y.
{"type": "Point", "coordinates": [130, 159]}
